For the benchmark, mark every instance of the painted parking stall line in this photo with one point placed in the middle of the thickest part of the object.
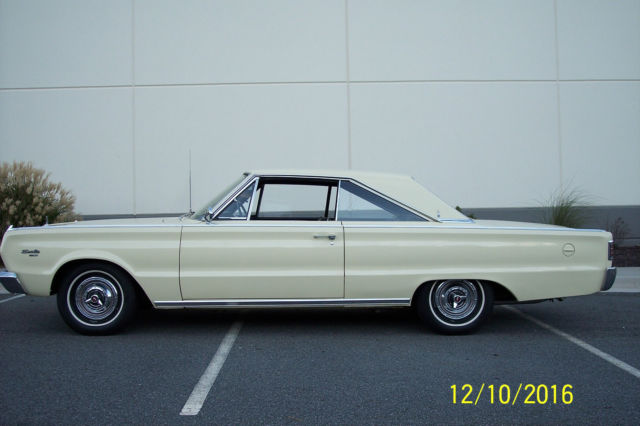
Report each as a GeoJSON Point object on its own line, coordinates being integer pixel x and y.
{"type": "Point", "coordinates": [201, 390]}
{"type": "Point", "coordinates": [584, 345]}
{"type": "Point", "coordinates": [12, 298]}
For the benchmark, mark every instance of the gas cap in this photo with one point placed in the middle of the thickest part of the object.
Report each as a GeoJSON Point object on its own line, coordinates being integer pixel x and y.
{"type": "Point", "coordinates": [568, 249]}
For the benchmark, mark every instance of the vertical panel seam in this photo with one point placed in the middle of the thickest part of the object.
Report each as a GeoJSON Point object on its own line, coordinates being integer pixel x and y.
{"type": "Point", "coordinates": [348, 81]}
{"type": "Point", "coordinates": [133, 106]}
{"type": "Point", "coordinates": [558, 98]}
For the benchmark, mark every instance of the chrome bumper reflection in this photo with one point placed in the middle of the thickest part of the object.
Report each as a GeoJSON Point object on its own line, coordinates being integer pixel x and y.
{"type": "Point", "coordinates": [10, 281]}
{"type": "Point", "coordinates": [609, 279]}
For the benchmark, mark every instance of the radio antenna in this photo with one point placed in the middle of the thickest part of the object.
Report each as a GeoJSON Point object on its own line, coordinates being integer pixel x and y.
{"type": "Point", "coordinates": [190, 211]}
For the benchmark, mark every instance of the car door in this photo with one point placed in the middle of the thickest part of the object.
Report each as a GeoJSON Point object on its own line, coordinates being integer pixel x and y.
{"type": "Point", "coordinates": [386, 245]}
{"type": "Point", "coordinates": [277, 239]}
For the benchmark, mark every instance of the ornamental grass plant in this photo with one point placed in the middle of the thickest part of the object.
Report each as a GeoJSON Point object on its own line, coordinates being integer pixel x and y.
{"type": "Point", "coordinates": [565, 208]}
{"type": "Point", "coordinates": [28, 198]}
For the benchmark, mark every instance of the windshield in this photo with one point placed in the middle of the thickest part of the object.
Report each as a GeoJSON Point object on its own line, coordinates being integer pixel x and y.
{"type": "Point", "coordinates": [200, 213]}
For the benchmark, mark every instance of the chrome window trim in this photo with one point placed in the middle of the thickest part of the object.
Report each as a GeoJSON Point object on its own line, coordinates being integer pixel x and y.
{"type": "Point", "coordinates": [221, 206]}
{"type": "Point", "coordinates": [362, 185]}
{"type": "Point", "coordinates": [279, 303]}
{"type": "Point", "coordinates": [391, 200]}
{"type": "Point", "coordinates": [253, 198]}
{"type": "Point", "coordinates": [233, 191]}
{"type": "Point", "coordinates": [338, 200]}
{"type": "Point", "coordinates": [258, 177]}
{"type": "Point", "coordinates": [336, 178]}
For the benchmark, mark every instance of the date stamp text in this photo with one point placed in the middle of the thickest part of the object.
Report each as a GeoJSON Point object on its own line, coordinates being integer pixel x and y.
{"type": "Point", "coordinates": [505, 394]}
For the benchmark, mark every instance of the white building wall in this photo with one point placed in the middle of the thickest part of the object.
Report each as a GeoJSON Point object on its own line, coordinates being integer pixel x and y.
{"type": "Point", "coordinates": [488, 103]}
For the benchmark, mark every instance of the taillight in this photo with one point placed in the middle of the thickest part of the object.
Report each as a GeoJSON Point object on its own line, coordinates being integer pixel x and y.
{"type": "Point", "coordinates": [610, 250]}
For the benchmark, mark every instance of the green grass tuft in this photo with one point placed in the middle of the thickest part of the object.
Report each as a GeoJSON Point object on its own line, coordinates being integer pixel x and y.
{"type": "Point", "coordinates": [564, 208]}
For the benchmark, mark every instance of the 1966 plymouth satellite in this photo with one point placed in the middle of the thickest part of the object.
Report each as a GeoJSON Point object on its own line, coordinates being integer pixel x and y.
{"type": "Point", "coordinates": [311, 238]}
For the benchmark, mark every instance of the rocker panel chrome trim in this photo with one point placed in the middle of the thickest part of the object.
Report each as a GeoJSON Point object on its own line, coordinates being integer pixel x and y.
{"type": "Point", "coordinates": [279, 303]}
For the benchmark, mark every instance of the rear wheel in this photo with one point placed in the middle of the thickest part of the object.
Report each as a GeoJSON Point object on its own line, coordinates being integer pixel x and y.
{"type": "Point", "coordinates": [96, 299]}
{"type": "Point", "coordinates": [454, 306]}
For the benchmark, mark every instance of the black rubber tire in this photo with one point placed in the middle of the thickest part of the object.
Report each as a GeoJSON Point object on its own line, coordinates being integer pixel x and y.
{"type": "Point", "coordinates": [97, 298]}
{"type": "Point", "coordinates": [434, 305]}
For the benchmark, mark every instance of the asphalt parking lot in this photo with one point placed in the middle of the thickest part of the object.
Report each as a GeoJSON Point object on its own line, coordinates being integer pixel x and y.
{"type": "Point", "coordinates": [336, 366]}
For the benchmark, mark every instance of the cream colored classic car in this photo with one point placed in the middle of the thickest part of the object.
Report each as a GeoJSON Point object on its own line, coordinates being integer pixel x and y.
{"type": "Point", "coordinates": [311, 238]}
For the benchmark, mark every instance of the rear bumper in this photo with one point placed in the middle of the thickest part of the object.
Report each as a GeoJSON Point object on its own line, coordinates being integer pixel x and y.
{"type": "Point", "coordinates": [10, 281]}
{"type": "Point", "coordinates": [609, 278]}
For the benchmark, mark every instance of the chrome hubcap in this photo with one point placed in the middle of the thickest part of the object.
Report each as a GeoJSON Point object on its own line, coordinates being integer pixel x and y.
{"type": "Point", "coordinates": [97, 298]}
{"type": "Point", "coordinates": [455, 299]}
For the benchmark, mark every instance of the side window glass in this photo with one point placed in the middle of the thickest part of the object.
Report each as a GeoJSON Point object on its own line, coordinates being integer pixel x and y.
{"type": "Point", "coordinates": [239, 207]}
{"type": "Point", "coordinates": [357, 203]}
{"type": "Point", "coordinates": [292, 201]}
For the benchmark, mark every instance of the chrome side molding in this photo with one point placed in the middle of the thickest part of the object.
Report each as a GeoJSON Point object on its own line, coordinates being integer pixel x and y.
{"type": "Point", "coordinates": [279, 303]}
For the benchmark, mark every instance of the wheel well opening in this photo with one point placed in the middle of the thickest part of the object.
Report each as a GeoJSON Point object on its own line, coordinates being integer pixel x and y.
{"type": "Point", "coordinates": [64, 270]}
{"type": "Point", "coordinates": [500, 293]}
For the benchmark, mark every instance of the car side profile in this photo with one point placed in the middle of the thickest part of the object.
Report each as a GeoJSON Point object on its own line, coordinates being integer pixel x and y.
{"type": "Point", "coordinates": [281, 238]}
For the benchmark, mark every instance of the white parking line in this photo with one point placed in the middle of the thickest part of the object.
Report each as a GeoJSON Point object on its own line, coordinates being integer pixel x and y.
{"type": "Point", "coordinates": [584, 345]}
{"type": "Point", "coordinates": [201, 390]}
{"type": "Point", "coordinates": [12, 298]}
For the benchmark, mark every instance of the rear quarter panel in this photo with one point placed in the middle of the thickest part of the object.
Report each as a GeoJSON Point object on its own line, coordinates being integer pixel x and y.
{"type": "Point", "coordinates": [392, 260]}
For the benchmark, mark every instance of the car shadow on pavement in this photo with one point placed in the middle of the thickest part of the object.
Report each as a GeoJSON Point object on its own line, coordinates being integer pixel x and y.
{"type": "Point", "coordinates": [334, 319]}
{"type": "Point", "coordinates": [310, 321]}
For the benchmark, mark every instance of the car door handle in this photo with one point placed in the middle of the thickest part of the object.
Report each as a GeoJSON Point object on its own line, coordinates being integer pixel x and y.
{"type": "Point", "coordinates": [329, 236]}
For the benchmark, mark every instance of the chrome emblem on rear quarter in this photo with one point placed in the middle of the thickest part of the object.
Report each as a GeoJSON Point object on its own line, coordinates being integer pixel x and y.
{"type": "Point", "coordinates": [568, 249]}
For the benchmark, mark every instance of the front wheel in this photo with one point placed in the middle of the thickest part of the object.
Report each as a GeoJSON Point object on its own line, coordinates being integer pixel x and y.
{"type": "Point", "coordinates": [454, 306]}
{"type": "Point", "coordinates": [96, 299]}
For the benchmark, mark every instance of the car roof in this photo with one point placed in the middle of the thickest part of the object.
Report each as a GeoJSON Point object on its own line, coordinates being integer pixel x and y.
{"type": "Point", "coordinates": [401, 188]}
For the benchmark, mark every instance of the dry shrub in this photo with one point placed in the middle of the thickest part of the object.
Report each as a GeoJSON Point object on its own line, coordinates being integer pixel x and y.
{"type": "Point", "coordinates": [619, 229]}
{"type": "Point", "coordinates": [28, 198]}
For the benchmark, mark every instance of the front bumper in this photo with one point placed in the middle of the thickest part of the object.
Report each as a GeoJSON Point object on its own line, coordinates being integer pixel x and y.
{"type": "Point", "coordinates": [11, 282]}
{"type": "Point", "coordinates": [609, 278]}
